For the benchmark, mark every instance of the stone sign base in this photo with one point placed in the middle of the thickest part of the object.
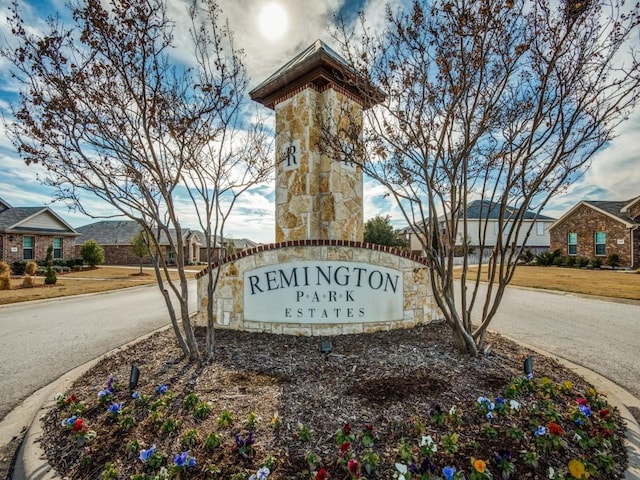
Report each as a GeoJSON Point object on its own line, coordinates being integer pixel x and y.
{"type": "Point", "coordinates": [319, 287]}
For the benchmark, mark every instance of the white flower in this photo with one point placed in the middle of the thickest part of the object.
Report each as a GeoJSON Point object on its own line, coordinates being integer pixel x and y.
{"type": "Point", "coordinates": [453, 410]}
{"type": "Point", "coordinates": [514, 404]}
{"type": "Point", "coordinates": [427, 441]}
{"type": "Point", "coordinates": [402, 469]}
{"type": "Point", "coordinates": [552, 473]}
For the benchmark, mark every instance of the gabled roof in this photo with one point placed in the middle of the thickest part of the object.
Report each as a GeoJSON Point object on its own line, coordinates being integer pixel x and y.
{"type": "Point", "coordinates": [614, 209]}
{"type": "Point", "coordinates": [21, 220]}
{"type": "Point", "coordinates": [120, 232]}
{"type": "Point", "coordinates": [318, 64]}
{"type": "Point", "coordinates": [4, 205]}
{"type": "Point", "coordinates": [632, 202]}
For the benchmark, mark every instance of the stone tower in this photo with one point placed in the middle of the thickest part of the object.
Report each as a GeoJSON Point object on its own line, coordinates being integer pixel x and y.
{"type": "Point", "coordinates": [317, 197]}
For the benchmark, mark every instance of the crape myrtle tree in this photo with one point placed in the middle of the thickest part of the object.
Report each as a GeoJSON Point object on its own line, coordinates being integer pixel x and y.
{"type": "Point", "coordinates": [106, 108]}
{"type": "Point", "coordinates": [500, 100]}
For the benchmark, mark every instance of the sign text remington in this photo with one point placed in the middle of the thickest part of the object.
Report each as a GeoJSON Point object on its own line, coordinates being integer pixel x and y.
{"type": "Point", "coordinates": [323, 292]}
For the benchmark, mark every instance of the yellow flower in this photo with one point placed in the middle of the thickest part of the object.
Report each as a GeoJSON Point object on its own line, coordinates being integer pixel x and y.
{"type": "Point", "coordinates": [576, 469]}
{"type": "Point", "coordinates": [480, 465]}
{"type": "Point", "coordinates": [568, 384]}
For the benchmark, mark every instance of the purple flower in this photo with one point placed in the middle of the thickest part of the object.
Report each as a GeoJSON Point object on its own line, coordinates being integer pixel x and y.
{"type": "Point", "coordinates": [146, 454]}
{"type": "Point", "coordinates": [541, 431]}
{"type": "Point", "coordinates": [110, 384]}
{"type": "Point", "coordinates": [161, 389]}
{"type": "Point", "coordinates": [585, 410]}
{"type": "Point", "coordinates": [448, 472]}
{"type": "Point", "coordinates": [115, 408]}
{"type": "Point", "coordinates": [489, 416]}
{"type": "Point", "coordinates": [184, 460]}
{"type": "Point", "coordinates": [262, 474]}
{"type": "Point", "coordinates": [102, 394]}
{"type": "Point", "coordinates": [135, 395]}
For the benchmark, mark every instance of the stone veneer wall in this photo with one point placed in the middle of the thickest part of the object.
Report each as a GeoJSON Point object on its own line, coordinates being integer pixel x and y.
{"type": "Point", "coordinates": [586, 222]}
{"type": "Point", "coordinates": [419, 305]}
{"type": "Point", "coordinates": [42, 243]}
{"type": "Point", "coordinates": [320, 199]}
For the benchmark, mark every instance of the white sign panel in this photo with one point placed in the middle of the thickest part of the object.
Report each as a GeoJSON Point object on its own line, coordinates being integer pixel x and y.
{"type": "Point", "coordinates": [620, 241]}
{"type": "Point", "coordinates": [323, 292]}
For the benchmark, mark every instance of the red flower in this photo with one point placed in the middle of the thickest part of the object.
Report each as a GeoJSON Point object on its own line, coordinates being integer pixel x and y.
{"type": "Point", "coordinates": [344, 448]}
{"type": "Point", "coordinates": [322, 474]}
{"type": "Point", "coordinates": [605, 432]}
{"type": "Point", "coordinates": [604, 413]}
{"type": "Point", "coordinates": [582, 401]}
{"type": "Point", "coordinates": [72, 399]}
{"type": "Point", "coordinates": [354, 468]}
{"type": "Point", "coordinates": [555, 429]}
{"type": "Point", "coordinates": [79, 426]}
{"type": "Point", "coordinates": [346, 429]}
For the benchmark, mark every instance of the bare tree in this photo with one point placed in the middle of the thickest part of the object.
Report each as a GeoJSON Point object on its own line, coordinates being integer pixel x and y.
{"type": "Point", "coordinates": [506, 102]}
{"type": "Point", "coordinates": [107, 110]}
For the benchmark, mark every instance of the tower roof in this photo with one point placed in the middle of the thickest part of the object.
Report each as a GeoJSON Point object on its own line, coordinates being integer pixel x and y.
{"type": "Point", "coordinates": [320, 65]}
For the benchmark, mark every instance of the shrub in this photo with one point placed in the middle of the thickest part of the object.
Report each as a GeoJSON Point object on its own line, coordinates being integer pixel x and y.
{"type": "Point", "coordinates": [27, 282]}
{"type": "Point", "coordinates": [558, 261]}
{"type": "Point", "coordinates": [31, 268]}
{"type": "Point", "coordinates": [547, 258]}
{"type": "Point", "coordinates": [569, 261]}
{"type": "Point", "coordinates": [50, 277]}
{"type": "Point", "coordinates": [527, 256]}
{"type": "Point", "coordinates": [5, 281]}
{"type": "Point", "coordinates": [92, 253]}
{"type": "Point", "coordinates": [596, 262]}
{"type": "Point", "coordinates": [18, 267]}
{"type": "Point", "coordinates": [613, 260]}
{"type": "Point", "coordinates": [582, 262]}
{"type": "Point", "coordinates": [4, 268]}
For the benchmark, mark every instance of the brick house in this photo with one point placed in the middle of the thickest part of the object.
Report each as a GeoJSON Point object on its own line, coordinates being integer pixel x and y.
{"type": "Point", "coordinates": [27, 232]}
{"type": "Point", "coordinates": [115, 236]}
{"type": "Point", "coordinates": [599, 229]}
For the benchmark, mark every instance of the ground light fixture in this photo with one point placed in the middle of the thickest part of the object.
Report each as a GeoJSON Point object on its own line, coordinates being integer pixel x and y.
{"type": "Point", "coordinates": [528, 368]}
{"type": "Point", "coordinates": [326, 348]}
{"type": "Point", "coordinates": [133, 377]}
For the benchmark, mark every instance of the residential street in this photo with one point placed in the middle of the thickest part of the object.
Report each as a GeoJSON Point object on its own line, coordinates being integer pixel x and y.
{"type": "Point", "coordinates": [600, 335]}
{"type": "Point", "coordinates": [39, 341]}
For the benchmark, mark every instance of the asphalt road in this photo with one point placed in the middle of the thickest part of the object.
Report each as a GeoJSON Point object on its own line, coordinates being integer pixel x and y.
{"type": "Point", "coordinates": [601, 335]}
{"type": "Point", "coordinates": [40, 341]}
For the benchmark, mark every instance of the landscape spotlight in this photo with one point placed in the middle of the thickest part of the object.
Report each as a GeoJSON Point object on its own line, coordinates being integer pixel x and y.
{"type": "Point", "coordinates": [133, 377]}
{"type": "Point", "coordinates": [326, 347]}
{"type": "Point", "coordinates": [528, 368]}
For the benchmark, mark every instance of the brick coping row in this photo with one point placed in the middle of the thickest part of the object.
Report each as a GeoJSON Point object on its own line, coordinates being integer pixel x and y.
{"type": "Point", "coordinates": [314, 243]}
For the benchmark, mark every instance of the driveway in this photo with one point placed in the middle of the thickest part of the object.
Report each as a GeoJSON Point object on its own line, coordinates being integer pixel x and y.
{"type": "Point", "coordinates": [40, 341]}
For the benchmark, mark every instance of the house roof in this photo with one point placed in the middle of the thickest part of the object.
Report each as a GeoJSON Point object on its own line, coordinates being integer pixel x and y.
{"type": "Point", "coordinates": [4, 205]}
{"type": "Point", "coordinates": [34, 220]}
{"type": "Point", "coordinates": [318, 64]}
{"type": "Point", "coordinates": [120, 232]}
{"type": "Point", "coordinates": [614, 209]}
{"type": "Point", "coordinates": [487, 210]}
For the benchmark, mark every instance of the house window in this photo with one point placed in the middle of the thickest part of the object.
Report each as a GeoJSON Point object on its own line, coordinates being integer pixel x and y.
{"type": "Point", "coordinates": [57, 247]}
{"type": "Point", "coordinates": [27, 247]}
{"type": "Point", "coordinates": [171, 256]}
{"type": "Point", "coordinates": [601, 242]}
{"type": "Point", "coordinates": [572, 241]}
{"type": "Point", "coordinates": [539, 228]}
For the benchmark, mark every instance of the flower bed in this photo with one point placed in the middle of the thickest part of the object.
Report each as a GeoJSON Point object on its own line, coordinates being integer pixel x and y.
{"type": "Point", "coordinates": [401, 404]}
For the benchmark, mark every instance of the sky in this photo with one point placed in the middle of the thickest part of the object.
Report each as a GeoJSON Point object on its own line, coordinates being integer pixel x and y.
{"type": "Point", "coordinates": [271, 32]}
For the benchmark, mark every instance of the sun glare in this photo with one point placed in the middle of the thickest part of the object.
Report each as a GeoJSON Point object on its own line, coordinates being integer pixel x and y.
{"type": "Point", "coordinates": [273, 21]}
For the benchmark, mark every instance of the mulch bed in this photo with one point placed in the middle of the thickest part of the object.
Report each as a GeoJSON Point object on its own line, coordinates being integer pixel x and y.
{"type": "Point", "coordinates": [396, 383]}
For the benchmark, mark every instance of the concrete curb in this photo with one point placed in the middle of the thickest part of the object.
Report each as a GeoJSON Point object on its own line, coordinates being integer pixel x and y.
{"type": "Point", "coordinates": [32, 465]}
